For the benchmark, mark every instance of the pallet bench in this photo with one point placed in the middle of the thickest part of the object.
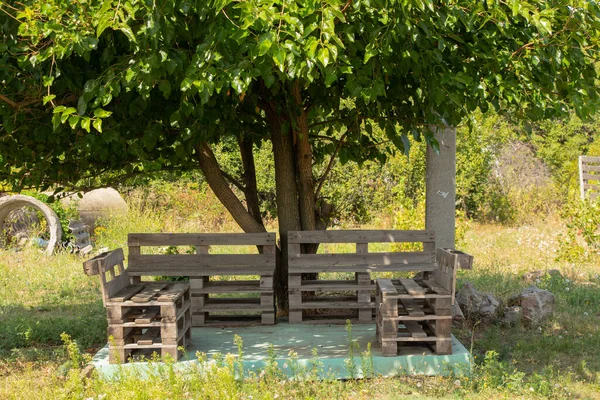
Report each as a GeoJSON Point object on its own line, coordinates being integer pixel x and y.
{"type": "Point", "coordinates": [361, 263]}
{"type": "Point", "coordinates": [144, 317]}
{"type": "Point", "coordinates": [215, 302]}
{"type": "Point", "coordinates": [418, 310]}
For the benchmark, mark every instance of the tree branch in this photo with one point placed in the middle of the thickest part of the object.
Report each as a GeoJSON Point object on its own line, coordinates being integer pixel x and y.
{"type": "Point", "coordinates": [321, 180]}
{"type": "Point", "coordinates": [234, 181]}
{"type": "Point", "coordinates": [29, 102]}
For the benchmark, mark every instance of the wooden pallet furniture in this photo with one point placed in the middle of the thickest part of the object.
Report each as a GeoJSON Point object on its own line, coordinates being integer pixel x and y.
{"type": "Point", "coordinates": [143, 317]}
{"type": "Point", "coordinates": [418, 310]}
{"type": "Point", "coordinates": [589, 177]}
{"type": "Point", "coordinates": [215, 300]}
{"type": "Point", "coordinates": [320, 309]}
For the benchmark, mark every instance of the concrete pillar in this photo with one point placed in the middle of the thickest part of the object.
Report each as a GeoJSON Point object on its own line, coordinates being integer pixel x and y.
{"type": "Point", "coordinates": [441, 187]}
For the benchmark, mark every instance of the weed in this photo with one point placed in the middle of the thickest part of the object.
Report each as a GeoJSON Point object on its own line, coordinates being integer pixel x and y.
{"type": "Point", "coordinates": [350, 361]}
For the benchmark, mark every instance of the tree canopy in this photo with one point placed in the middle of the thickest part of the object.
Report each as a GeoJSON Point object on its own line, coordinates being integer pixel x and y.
{"type": "Point", "coordinates": [109, 88]}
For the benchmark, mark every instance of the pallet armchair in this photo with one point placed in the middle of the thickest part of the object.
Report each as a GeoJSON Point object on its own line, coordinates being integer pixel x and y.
{"type": "Point", "coordinates": [143, 317]}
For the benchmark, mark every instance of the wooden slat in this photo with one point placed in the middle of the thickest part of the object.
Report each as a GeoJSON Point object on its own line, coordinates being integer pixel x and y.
{"type": "Point", "coordinates": [126, 293]}
{"type": "Point", "coordinates": [418, 318]}
{"type": "Point", "coordinates": [412, 287]}
{"type": "Point", "coordinates": [231, 304]}
{"type": "Point", "coordinates": [172, 292]}
{"type": "Point", "coordinates": [335, 302]}
{"type": "Point", "coordinates": [591, 159]}
{"type": "Point", "coordinates": [412, 308]}
{"type": "Point", "coordinates": [386, 287]}
{"type": "Point", "coordinates": [147, 293]}
{"type": "Point", "coordinates": [322, 284]}
{"type": "Point", "coordinates": [195, 271]}
{"type": "Point", "coordinates": [590, 177]}
{"type": "Point", "coordinates": [414, 329]}
{"type": "Point", "coordinates": [433, 285]}
{"type": "Point", "coordinates": [590, 168]}
{"type": "Point", "coordinates": [335, 259]}
{"type": "Point", "coordinates": [147, 317]}
{"type": "Point", "coordinates": [364, 268]}
{"type": "Point", "coordinates": [166, 261]}
{"type": "Point", "coordinates": [412, 339]}
{"type": "Point", "coordinates": [198, 239]}
{"type": "Point", "coordinates": [361, 236]}
{"type": "Point", "coordinates": [241, 286]}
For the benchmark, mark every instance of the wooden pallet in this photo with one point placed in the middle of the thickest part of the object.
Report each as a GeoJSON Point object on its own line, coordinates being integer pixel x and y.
{"type": "Point", "coordinates": [143, 317]}
{"type": "Point", "coordinates": [413, 310]}
{"type": "Point", "coordinates": [589, 177]}
{"type": "Point", "coordinates": [149, 317]}
{"type": "Point", "coordinates": [215, 302]}
{"type": "Point", "coordinates": [361, 304]}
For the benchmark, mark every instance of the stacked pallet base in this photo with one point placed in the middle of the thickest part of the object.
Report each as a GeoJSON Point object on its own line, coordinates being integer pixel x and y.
{"type": "Point", "coordinates": [147, 318]}
{"type": "Point", "coordinates": [412, 311]}
{"type": "Point", "coordinates": [220, 303]}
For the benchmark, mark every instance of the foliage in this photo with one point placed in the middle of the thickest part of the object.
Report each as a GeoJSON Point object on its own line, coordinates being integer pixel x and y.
{"type": "Point", "coordinates": [133, 86]}
{"type": "Point", "coordinates": [582, 238]}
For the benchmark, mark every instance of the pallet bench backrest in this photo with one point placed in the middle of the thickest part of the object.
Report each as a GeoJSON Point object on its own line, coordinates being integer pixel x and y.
{"type": "Point", "coordinates": [110, 267]}
{"type": "Point", "coordinates": [362, 260]}
{"type": "Point", "coordinates": [202, 263]}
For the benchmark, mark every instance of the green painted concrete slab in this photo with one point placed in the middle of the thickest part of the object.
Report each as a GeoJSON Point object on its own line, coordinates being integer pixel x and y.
{"type": "Point", "coordinates": [330, 341]}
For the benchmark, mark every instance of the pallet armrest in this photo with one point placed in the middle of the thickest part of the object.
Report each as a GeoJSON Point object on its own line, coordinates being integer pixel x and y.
{"type": "Point", "coordinates": [93, 266]}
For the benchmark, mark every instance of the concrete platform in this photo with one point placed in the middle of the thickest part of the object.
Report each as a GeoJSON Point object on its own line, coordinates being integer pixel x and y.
{"type": "Point", "coordinates": [330, 342]}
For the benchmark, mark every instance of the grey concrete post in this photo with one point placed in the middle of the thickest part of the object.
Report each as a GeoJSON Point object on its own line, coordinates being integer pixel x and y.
{"type": "Point", "coordinates": [441, 187]}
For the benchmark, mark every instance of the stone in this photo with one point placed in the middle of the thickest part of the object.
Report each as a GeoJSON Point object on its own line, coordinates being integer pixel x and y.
{"type": "Point", "coordinates": [458, 318]}
{"type": "Point", "coordinates": [536, 304]}
{"type": "Point", "coordinates": [477, 304]}
{"type": "Point", "coordinates": [105, 203]}
{"type": "Point", "coordinates": [532, 276]}
{"type": "Point", "coordinates": [512, 315]}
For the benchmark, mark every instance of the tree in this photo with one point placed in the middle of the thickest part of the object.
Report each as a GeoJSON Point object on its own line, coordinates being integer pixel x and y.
{"type": "Point", "coordinates": [112, 88]}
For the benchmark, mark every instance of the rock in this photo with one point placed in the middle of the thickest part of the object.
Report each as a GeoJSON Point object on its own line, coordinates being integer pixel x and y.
{"type": "Point", "coordinates": [536, 304]}
{"type": "Point", "coordinates": [458, 318]}
{"type": "Point", "coordinates": [513, 315]}
{"type": "Point", "coordinates": [477, 304]}
{"type": "Point", "coordinates": [98, 203]}
{"type": "Point", "coordinates": [532, 276]}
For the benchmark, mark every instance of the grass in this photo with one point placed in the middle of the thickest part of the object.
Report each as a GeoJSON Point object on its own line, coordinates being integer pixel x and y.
{"type": "Point", "coordinates": [42, 297]}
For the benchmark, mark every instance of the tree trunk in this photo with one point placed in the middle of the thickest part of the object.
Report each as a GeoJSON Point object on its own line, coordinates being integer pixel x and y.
{"type": "Point", "coordinates": [306, 182]}
{"type": "Point", "coordinates": [304, 158]}
{"type": "Point", "coordinates": [250, 187]}
{"type": "Point", "coordinates": [286, 195]}
{"type": "Point", "coordinates": [210, 168]}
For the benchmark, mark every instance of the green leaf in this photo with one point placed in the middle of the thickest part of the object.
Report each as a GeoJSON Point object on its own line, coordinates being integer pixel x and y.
{"type": "Point", "coordinates": [97, 124]}
{"type": "Point", "coordinates": [338, 14]}
{"type": "Point", "coordinates": [165, 87]}
{"type": "Point", "coordinates": [129, 74]}
{"type": "Point", "coordinates": [73, 121]}
{"type": "Point", "coordinates": [370, 52]}
{"type": "Point", "coordinates": [128, 32]}
{"type": "Point", "coordinates": [85, 123]}
{"type": "Point", "coordinates": [186, 84]}
{"type": "Point", "coordinates": [279, 57]}
{"type": "Point", "coordinates": [264, 43]}
{"type": "Point", "coordinates": [48, 98]}
{"type": "Point", "coordinates": [104, 23]}
{"type": "Point", "coordinates": [323, 56]}
{"type": "Point", "coordinates": [311, 48]}
{"type": "Point", "coordinates": [56, 121]}
{"type": "Point", "coordinates": [100, 113]}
